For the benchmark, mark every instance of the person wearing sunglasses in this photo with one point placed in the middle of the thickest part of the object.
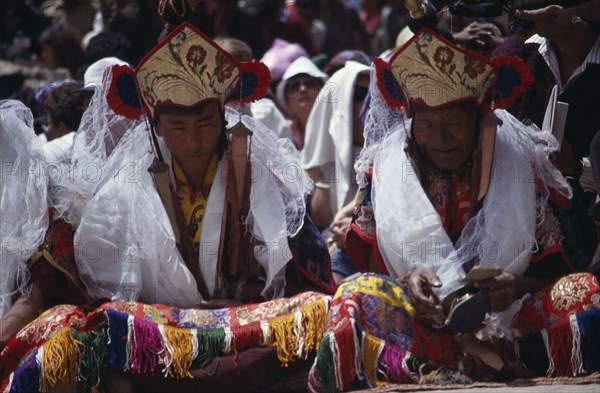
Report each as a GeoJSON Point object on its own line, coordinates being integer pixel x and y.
{"type": "Point", "coordinates": [296, 93]}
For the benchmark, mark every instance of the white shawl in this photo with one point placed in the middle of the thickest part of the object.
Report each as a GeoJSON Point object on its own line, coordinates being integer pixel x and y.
{"type": "Point", "coordinates": [328, 138]}
{"type": "Point", "coordinates": [23, 198]}
{"type": "Point", "coordinates": [125, 246]}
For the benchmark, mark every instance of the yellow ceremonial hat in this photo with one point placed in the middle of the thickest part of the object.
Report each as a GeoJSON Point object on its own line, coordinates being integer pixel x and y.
{"type": "Point", "coordinates": [187, 69]}
{"type": "Point", "coordinates": [431, 72]}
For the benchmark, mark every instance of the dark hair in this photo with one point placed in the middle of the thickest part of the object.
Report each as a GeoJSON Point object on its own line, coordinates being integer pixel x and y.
{"type": "Point", "coordinates": [61, 104]}
{"type": "Point", "coordinates": [314, 5]}
{"type": "Point", "coordinates": [27, 95]}
{"type": "Point", "coordinates": [170, 110]}
{"type": "Point", "coordinates": [262, 10]}
{"type": "Point", "coordinates": [338, 61]}
{"type": "Point", "coordinates": [107, 44]}
{"type": "Point", "coordinates": [65, 43]}
{"type": "Point", "coordinates": [135, 19]}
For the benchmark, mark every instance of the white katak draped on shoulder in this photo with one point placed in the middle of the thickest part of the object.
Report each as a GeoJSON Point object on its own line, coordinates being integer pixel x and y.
{"type": "Point", "coordinates": [23, 198]}
{"type": "Point", "coordinates": [125, 246]}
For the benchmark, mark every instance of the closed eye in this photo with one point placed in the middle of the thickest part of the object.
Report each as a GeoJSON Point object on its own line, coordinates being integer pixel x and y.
{"type": "Point", "coordinates": [204, 124]}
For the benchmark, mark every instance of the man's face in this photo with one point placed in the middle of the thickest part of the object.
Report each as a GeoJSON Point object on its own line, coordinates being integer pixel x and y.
{"type": "Point", "coordinates": [447, 135]}
{"type": "Point", "coordinates": [193, 137]}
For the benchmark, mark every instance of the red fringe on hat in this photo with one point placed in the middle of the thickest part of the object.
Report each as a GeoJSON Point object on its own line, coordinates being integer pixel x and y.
{"type": "Point", "coordinates": [254, 82]}
{"type": "Point", "coordinates": [122, 94]}
{"type": "Point", "coordinates": [513, 78]}
{"type": "Point", "coordinates": [388, 85]}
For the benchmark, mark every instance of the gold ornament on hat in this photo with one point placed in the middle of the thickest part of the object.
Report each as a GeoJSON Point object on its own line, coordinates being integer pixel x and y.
{"type": "Point", "coordinates": [185, 70]}
{"type": "Point", "coordinates": [434, 73]}
{"type": "Point", "coordinates": [416, 8]}
{"type": "Point", "coordinates": [430, 72]}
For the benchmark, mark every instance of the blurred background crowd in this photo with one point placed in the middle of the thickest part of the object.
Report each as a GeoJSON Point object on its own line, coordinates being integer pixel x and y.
{"type": "Point", "coordinates": [45, 41]}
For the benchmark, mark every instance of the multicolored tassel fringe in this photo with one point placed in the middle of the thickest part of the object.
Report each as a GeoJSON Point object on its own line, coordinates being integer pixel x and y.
{"type": "Point", "coordinates": [325, 363]}
{"type": "Point", "coordinates": [248, 336]}
{"type": "Point", "coordinates": [346, 339]}
{"type": "Point", "coordinates": [181, 341]}
{"type": "Point", "coordinates": [80, 359]}
{"type": "Point", "coordinates": [560, 345]}
{"type": "Point", "coordinates": [341, 360]}
{"type": "Point", "coordinates": [568, 348]}
{"type": "Point", "coordinates": [576, 358]}
{"type": "Point", "coordinates": [338, 360]}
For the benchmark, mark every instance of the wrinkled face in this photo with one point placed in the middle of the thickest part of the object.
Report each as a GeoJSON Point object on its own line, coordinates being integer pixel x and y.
{"type": "Point", "coordinates": [191, 137]}
{"type": "Point", "coordinates": [447, 135]}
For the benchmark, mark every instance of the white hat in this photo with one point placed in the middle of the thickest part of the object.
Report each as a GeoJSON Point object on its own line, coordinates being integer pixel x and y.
{"type": "Point", "coordinates": [302, 65]}
{"type": "Point", "coordinates": [94, 73]}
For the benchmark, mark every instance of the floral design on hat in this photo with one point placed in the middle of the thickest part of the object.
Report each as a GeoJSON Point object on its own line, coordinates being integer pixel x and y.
{"type": "Point", "coordinates": [431, 72]}
{"type": "Point", "coordinates": [188, 69]}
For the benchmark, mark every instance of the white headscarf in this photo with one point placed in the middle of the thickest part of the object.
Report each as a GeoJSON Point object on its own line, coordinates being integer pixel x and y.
{"type": "Point", "coordinates": [302, 65]}
{"type": "Point", "coordinates": [23, 198]}
{"type": "Point", "coordinates": [328, 138]}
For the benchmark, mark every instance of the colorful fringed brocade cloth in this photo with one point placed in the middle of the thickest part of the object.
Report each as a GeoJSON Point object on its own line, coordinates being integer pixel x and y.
{"type": "Point", "coordinates": [368, 336]}
{"type": "Point", "coordinates": [560, 327]}
{"type": "Point", "coordinates": [373, 336]}
{"type": "Point", "coordinates": [66, 347]}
